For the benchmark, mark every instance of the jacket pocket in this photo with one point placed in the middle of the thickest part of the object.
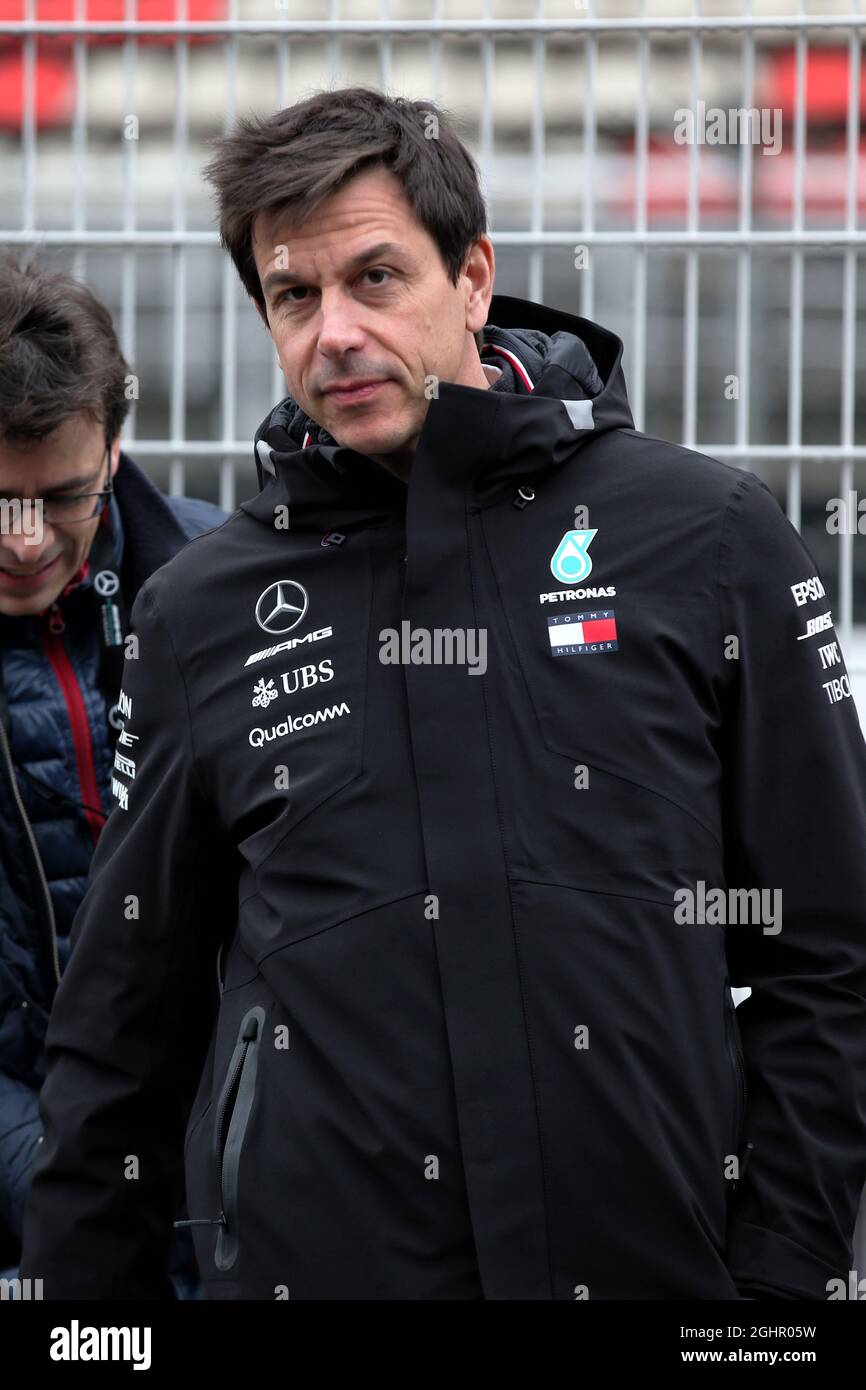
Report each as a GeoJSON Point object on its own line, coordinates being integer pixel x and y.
{"type": "Point", "coordinates": [232, 1116]}
{"type": "Point", "coordinates": [738, 1066]}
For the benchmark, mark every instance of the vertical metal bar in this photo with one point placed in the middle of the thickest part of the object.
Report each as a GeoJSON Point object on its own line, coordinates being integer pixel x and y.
{"type": "Point", "coordinates": [691, 289]}
{"type": "Point", "coordinates": [795, 359]}
{"type": "Point", "coordinates": [177, 472]}
{"type": "Point", "coordinates": [278, 381]}
{"type": "Point", "coordinates": [333, 42]}
{"type": "Point", "coordinates": [536, 255]}
{"type": "Point", "coordinates": [744, 255]}
{"type": "Point", "coordinates": [849, 341]}
{"type": "Point", "coordinates": [385, 51]}
{"type": "Point", "coordinates": [228, 393]}
{"type": "Point", "coordinates": [590, 136]}
{"type": "Point", "coordinates": [79, 144]}
{"type": "Point", "coordinates": [283, 61]}
{"type": "Point", "coordinates": [28, 126]}
{"type": "Point", "coordinates": [485, 118]}
{"type": "Point", "coordinates": [130, 168]}
{"type": "Point", "coordinates": [639, 315]}
{"type": "Point", "coordinates": [436, 55]}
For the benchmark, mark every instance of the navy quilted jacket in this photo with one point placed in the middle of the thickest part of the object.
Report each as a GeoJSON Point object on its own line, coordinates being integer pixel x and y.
{"type": "Point", "coordinates": [50, 687]}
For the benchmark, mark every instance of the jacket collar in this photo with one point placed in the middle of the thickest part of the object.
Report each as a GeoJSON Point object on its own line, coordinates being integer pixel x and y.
{"type": "Point", "coordinates": [151, 532]}
{"type": "Point", "coordinates": [83, 577]}
{"type": "Point", "coordinates": [564, 385]}
{"type": "Point", "coordinates": [145, 531]}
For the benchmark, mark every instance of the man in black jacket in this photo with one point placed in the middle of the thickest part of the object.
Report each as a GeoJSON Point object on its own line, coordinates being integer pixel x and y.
{"type": "Point", "coordinates": [476, 759]}
{"type": "Point", "coordinates": [65, 587]}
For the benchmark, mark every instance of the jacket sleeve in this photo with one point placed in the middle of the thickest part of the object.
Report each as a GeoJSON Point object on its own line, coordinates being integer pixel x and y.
{"type": "Point", "coordinates": [195, 515]}
{"type": "Point", "coordinates": [19, 1136]}
{"type": "Point", "coordinates": [132, 1015]}
{"type": "Point", "coordinates": [795, 825]}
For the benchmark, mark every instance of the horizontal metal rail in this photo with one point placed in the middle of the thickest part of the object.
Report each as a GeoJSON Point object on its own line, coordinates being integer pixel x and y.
{"type": "Point", "coordinates": [439, 28]}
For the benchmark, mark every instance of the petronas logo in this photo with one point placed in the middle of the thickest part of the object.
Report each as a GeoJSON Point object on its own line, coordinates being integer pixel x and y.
{"type": "Point", "coordinates": [570, 563]}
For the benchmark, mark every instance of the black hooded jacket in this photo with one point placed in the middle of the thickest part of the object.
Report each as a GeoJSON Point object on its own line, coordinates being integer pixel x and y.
{"type": "Point", "coordinates": [455, 810]}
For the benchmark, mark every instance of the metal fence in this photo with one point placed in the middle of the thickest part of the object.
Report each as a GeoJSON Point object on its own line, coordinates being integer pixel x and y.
{"type": "Point", "coordinates": [563, 62]}
{"type": "Point", "coordinates": [731, 274]}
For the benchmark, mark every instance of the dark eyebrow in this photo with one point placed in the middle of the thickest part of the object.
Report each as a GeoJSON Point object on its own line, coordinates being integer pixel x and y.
{"type": "Point", "coordinates": [373, 253]}
{"type": "Point", "coordinates": [80, 481]}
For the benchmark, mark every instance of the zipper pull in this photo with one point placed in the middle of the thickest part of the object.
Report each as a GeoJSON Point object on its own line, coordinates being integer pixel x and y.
{"type": "Point", "coordinates": [747, 1154]}
{"type": "Point", "coordinates": [55, 618]}
{"type": "Point", "coordinates": [202, 1221]}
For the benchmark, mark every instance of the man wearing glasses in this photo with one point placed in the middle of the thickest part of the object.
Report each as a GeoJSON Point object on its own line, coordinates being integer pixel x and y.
{"type": "Point", "coordinates": [81, 528]}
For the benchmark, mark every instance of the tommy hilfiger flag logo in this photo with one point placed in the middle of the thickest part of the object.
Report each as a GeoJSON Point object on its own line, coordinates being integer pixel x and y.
{"type": "Point", "coordinates": [577, 634]}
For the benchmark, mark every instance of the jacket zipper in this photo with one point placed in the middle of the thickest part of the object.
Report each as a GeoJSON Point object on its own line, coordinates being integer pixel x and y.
{"type": "Point", "coordinates": [233, 1112]}
{"type": "Point", "coordinates": [40, 872]}
{"type": "Point", "coordinates": [76, 709]}
{"type": "Point", "coordinates": [237, 1094]}
{"type": "Point", "coordinates": [248, 1035]}
{"type": "Point", "coordinates": [737, 1059]}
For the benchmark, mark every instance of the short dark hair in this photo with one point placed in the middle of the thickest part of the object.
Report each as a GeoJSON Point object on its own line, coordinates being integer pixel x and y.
{"type": "Point", "coordinates": [59, 355]}
{"type": "Point", "coordinates": [289, 162]}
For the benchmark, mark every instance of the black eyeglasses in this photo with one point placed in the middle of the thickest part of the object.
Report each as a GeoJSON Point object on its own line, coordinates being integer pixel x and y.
{"type": "Point", "coordinates": [76, 507]}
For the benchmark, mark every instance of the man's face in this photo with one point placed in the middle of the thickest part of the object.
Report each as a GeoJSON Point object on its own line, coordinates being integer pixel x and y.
{"type": "Point", "coordinates": [359, 294]}
{"type": "Point", "coordinates": [72, 459]}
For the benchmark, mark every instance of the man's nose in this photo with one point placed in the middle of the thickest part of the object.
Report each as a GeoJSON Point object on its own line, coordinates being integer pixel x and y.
{"type": "Point", "coordinates": [340, 329]}
{"type": "Point", "coordinates": [28, 537]}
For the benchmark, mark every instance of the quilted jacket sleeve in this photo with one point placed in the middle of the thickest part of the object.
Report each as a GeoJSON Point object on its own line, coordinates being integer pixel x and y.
{"type": "Point", "coordinates": [133, 1012]}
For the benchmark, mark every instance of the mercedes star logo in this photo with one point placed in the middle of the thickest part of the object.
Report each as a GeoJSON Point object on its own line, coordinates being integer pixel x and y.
{"type": "Point", "coordinates": [282, 606]}
{"type": "Point", "coordinates": [106, 583]}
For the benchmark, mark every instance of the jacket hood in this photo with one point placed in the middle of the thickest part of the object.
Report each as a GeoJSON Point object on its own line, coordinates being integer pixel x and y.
{"type": "Point", "coordinates": [561, 384]}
